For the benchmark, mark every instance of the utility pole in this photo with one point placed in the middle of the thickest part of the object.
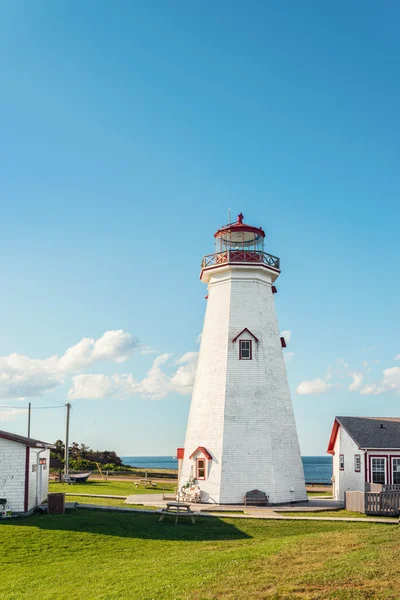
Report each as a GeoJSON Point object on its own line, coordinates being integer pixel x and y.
{"type": "Point", "coordinates": [66, 441]}
{"type": "Point", "coordinates": [29, 420]}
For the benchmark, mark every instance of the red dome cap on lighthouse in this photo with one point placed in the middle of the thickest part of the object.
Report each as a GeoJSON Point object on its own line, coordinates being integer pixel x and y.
{"type": "Point", "coordinates": [240, 233]}
{"type": "Point", "coordinates": [240, 227]}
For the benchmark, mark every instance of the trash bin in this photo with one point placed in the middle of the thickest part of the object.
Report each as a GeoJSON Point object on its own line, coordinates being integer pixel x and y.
{"type": "Point", "coordinates": [56, 503]}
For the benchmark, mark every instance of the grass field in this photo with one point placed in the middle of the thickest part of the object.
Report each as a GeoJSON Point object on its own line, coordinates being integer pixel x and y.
{"type": "Point", "coordinates": [329, 494]}
{"type": "Point", "coordinates": [111, 488]}
{"type": "Point", "coordinates": [108, 556]}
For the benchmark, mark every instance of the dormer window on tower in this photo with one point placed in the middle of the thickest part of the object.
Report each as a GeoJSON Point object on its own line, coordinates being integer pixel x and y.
{"type": "Point", "coordinates": [245, 345]}
{"type": "Point", "coordinates": [245, 350]}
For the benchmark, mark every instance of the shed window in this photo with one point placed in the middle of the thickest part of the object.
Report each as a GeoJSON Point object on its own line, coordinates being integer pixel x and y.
{"type": "Point", "coordinates": [34, 468]}
{"type": "Point", "coordinates": [201, 468]}
{"type": "Point", "coordinates": [357, 463]}
{"type": "Point", "coordinates": [245, 350]}
{"type": "Point", "coordinates": [378, 470]}
{"type": "Point", "coordinates": [341, 462]}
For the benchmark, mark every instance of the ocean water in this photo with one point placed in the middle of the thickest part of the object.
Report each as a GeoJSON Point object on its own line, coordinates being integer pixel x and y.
{"type": "Point", "coordinates": [317, 469]}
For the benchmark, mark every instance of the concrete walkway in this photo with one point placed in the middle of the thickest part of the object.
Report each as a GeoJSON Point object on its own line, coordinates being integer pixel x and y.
{"type": "Point", "coordinates": [313, 505]}
{"type": "Point", "coordinates": [152, 499]}
{"type": "Point", "coordinates": [252, 514]}
{"type": "Point", "coordinates": [95, 495]}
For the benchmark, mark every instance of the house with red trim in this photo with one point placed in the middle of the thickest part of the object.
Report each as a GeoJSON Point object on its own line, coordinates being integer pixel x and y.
{"type": "Point", "coordinates": [24, 471]}
{"type": "Point", "coordinates": [365, 450]}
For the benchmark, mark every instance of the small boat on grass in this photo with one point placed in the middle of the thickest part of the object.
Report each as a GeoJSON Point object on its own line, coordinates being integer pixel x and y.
{"type": "Point", "coordinates": [76, 477]}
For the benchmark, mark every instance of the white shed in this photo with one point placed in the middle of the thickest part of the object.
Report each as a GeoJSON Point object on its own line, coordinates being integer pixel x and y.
{"type": "Point", "coordinates": [24, 471]}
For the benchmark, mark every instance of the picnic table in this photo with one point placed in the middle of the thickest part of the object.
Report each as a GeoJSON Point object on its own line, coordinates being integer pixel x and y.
{"type": "Point", "coordinates": [146, 483]}
{"type": "Point", "coordinates": [177, 509]}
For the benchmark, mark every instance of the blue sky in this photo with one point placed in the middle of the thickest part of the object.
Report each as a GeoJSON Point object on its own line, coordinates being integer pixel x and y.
{"type": "Point", "coordinates": [127, 131]}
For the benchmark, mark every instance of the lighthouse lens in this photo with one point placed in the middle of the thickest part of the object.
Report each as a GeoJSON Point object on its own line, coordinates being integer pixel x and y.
{"type": "Point", "coordinates": [240, 240]}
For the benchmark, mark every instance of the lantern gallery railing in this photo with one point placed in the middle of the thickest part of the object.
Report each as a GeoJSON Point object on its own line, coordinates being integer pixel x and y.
{"type": "Point", "coordinates": [240, 256]}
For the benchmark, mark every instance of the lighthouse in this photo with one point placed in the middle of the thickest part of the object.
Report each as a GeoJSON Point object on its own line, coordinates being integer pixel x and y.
{"type": "Point", "coordinates": [241, 433]}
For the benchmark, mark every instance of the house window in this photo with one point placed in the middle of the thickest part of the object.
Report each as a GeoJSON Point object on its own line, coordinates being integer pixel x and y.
{"type": "Point", "coordinates": [245, 350]}
{"type": "Point", "coordinates": [201, 468]}
{"type": "Point", "coordinates": [357, 463]}
{"type": "Point", "coordinates": [341, 462]}
{"type": "Point", "coordinates": [396, 470]}
{"type": "Point", "coordinates": [378, 470]}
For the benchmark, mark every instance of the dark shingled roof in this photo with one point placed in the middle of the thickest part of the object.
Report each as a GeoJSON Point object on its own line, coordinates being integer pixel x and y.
{"type": "Point", "coordinates": [373, 432]}
{"type": "Point", "coordinates": [21, 439]}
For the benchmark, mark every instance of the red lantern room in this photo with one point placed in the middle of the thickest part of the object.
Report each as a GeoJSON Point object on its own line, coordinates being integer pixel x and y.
{"type": "Point", "coordinates": [239, 243]}
{"type": "Point", "coordinates": [239, 236]}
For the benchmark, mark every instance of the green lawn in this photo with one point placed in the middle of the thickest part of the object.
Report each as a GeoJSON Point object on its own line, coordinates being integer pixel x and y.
{"type": "Point", "coordinates": [107, 556]}
{"type": "Point", "coordinates": [320, 494]}
{"type": "Point", "coordinates": [112, 488]}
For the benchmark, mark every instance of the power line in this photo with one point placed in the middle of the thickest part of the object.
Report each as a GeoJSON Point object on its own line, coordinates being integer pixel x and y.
{"type": "Point", "coordinates": [32, 407]}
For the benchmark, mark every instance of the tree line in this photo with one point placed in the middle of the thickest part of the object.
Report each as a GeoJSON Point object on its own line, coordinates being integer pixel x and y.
{"type": "Point", "coordinates": [83, 457]}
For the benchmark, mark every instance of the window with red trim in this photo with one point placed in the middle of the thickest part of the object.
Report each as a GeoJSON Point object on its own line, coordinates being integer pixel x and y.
{"type": "Point", "coordinates": [396, 470]}
{"type": "Point", "coordinates": [245, 350]}
{"type": "Point", "coordinates": [201, 468]}
{"type": "Point", "coordinates": [357, 463]}
{"type": "Point", "coordinates": [341, 462]}
{"type": "Point", "coordinates": [378, 465]}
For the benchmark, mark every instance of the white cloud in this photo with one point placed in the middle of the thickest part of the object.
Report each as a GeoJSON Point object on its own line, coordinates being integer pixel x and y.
{"type": "Point", "coordinates": [357, 381]}
{"type": "Point", "coordinates": [288, 356]}
{"type": "Point", "coordinates": [9, 414]}
{"type": "Point", "coordinates": [114, 346]}
{"type": "Point", "coordinates": [183, 379]}
{"type": "Point", "coordinates": [341, 370]}
{"type": "Point", "coordinates": [370, 389]}
{"type": "Point", "coordinates": [287, 334]}
{"type": "Point", "coordinates": [22, 376]}
{"type": "Point", "coordinates": [146, 349]}
{"type": "Point", "coordinates": [390, 382]}
{"type": "Point", "coordinates": [315, 386]}
{"type": "Point", "coordinates": [342, 366]}
{"type": "Point", "coordinates": [156, 383]}
{"type": "Point", "coordinates": [91, 386]}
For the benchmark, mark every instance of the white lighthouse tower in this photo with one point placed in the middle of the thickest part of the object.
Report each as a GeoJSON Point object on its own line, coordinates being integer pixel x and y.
{"type": "Point", "coordinates": [241, 433]}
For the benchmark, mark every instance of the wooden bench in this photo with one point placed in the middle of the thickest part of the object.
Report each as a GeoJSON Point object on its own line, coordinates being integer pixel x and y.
{"type": "Point", "coordinates": [256, 497]}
